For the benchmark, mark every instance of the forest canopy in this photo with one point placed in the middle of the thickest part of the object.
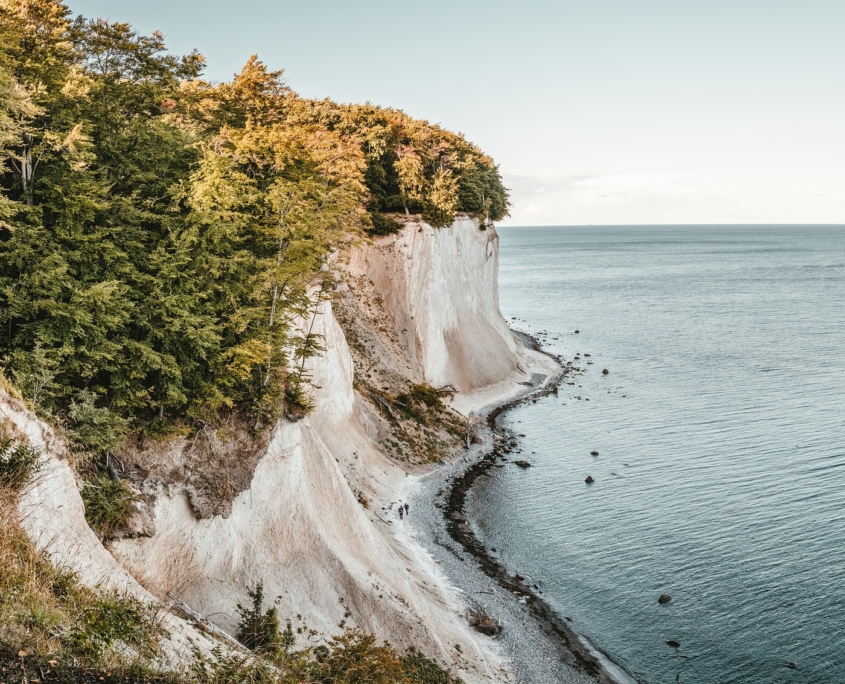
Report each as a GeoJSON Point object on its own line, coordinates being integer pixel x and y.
{"type": "Point", "coordinates": [161, 235]}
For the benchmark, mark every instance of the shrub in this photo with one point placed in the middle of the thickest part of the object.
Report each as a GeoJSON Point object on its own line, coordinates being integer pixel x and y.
{"type": "Point", "coordinates": [383, 225]}
{"type": "Point", "coordinates": [258, 629]}
{"type": "Point", "coordinates": [112, 618]}
{"type": "Point", "coordinates": [297, 402]}
{"type": "Point", "coordinates": [419, 402]}
{"type": "Point", "coordinates": [108, 504]}
{"type": "Point", "coordinates": [422, 670]}
{"type": "Point", "coordinates": [428, 395]}
{"type": "Point", "coordinates": [34, 373]}
{"type": "Point", "coordinates": [46, 613]}
{"type": "Point", "coordinates": [18, 463]}
{"type": "Point", "coordinates": [96, 429]}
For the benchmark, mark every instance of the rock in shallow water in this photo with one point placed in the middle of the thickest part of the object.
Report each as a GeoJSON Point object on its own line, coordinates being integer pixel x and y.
{"type": "Point", "coordinates": [523, 464]}
{"type": "Point", "coordinates": [673, 643]}
{"type": "Point", "coordinates": [664, 598]}
{"type": "Point", "coordinates": [589, 479]}
{"type": "Point", "coordinates": [594, 453]}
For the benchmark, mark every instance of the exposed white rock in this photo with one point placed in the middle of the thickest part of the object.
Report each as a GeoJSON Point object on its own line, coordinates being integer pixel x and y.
{"type": "Point", "coordinates": [299, 528]}
{"type": "Point", "coordinates": [440, 290]}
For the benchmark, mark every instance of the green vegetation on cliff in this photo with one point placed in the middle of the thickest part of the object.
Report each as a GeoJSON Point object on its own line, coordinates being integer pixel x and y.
{"type": "Point", "coordinates": [165, 244]}
{"type": "Point", "coordinates": [161, 237]}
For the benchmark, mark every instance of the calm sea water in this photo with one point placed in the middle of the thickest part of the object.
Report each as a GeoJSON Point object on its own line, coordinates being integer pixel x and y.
{"type": "Point", "coordinates": [721, 432]}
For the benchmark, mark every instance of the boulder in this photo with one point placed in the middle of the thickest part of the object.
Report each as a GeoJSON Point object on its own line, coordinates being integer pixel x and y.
{"type": "Point", "coordinates": [477, 439]}
{"type": "Point", "coordinates": [594, 453]}
{"type": "Point", "coordinates": [605, 371]}
{"type": "Point", "coordinates": [589, 479]}
{"type": "Point", "coordinates": [664, 598]}
{"type": "Point", "coordinates": [523, 464]}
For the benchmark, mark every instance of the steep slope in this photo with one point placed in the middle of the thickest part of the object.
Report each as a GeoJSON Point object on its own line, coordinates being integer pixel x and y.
{"type": "Point", "coordinates": [438, 289]}
{"type": "Point", "coordinates": [314, 522]}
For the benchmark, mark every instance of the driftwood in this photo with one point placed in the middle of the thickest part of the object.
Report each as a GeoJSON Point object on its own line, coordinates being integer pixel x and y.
{"type": "Point", "coordinates": [114, 472]}
{"type": "Point", "coordinates": [472, 429]}
{"type": "Point", "coordinates": [479, 620]}
{"type": "Point", "coordinates": [385, 404]}
{"type": "Point", "coordinates": [202, 622]}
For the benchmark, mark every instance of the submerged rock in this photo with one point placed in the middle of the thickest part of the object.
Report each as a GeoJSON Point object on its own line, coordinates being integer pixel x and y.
{"type": "Point", "coordinates": [664, 598]}
{"type": "Point", "coordinates": [791, 666]}
{"type": "Point", "coordinates": [673, 643]}
{"type": "Point", "coordinates": [523, 464]}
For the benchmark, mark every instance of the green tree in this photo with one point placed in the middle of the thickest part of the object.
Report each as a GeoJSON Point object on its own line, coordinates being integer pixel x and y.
{"type": "Point", "coordinates": [441, 202]}
{"type": "Point", "coordinates": [258, 629]}
{"type": "Point", "coordinates": [165, 242]}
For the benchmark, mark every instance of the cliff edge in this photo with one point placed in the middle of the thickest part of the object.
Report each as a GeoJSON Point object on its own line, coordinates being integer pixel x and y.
{"type": "Point", "coordinates": [309, 511]}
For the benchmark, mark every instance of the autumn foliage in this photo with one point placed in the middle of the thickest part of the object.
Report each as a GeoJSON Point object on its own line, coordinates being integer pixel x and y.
{"type": "Point", "coordinates": [164, 241]}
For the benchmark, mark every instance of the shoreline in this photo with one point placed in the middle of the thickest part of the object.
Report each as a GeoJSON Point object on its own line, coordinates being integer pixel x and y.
{"type": "Point", "coordinates": [539, 645]}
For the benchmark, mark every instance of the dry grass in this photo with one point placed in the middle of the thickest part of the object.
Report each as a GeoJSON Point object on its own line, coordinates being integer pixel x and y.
{"type": "Point", "coordinates": [30, 614]}
{"type": "Point", "coordinates": [44, 610]}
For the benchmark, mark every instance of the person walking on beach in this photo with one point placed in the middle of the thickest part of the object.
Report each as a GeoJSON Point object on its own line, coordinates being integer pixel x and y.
{"type": "Point", "coordinates": [401, 511]}
{"type": "Point", "coordinates": [406, 509]}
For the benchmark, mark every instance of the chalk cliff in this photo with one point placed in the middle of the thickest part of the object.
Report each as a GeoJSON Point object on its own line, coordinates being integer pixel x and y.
{"type": "Point", "coordinates": [312, 519]}
{"type": "Point", "coordinates": [439, 288]}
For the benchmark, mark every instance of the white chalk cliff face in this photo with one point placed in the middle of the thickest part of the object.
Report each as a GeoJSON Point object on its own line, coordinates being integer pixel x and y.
{"type": "Point", "coordinates": [299, 528]}
{"type": "Point", "coordinates": [440, 288]}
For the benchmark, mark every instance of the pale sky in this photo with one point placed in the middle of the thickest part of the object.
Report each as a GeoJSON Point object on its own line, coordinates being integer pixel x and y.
{"type": "Point", "coordinates": [597, 111]}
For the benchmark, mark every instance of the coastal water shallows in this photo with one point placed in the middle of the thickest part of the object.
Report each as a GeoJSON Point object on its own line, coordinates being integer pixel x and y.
{"type": "Point", "coordinates": [720, 428]}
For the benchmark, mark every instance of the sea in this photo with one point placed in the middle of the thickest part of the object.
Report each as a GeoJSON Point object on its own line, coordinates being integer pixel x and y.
{"type": "Point", "coordinates": [720, 428]}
